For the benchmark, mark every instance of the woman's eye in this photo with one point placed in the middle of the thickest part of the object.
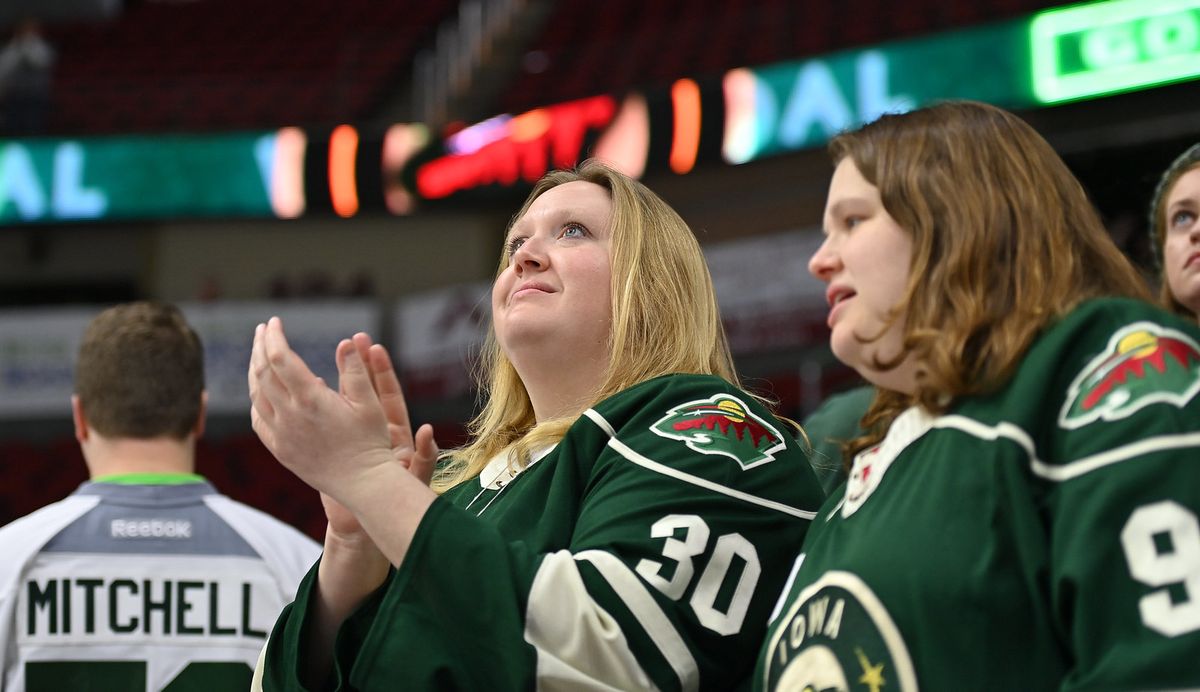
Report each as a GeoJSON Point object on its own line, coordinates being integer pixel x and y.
{"type": "Point", "coordinates": [514, 245]}
{"type": "Point", "coordinates": [1182, 218]}
{"type": "Point", "coordinates": [852, 221]}
{"type": "Point", "coordinates": [573, 230]}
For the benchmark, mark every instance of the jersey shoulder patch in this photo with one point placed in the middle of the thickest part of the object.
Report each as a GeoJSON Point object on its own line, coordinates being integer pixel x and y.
{"type": "Point", "coordinates": [722, 424]}
{"type": "Point", "coordinates": [1142, 364]}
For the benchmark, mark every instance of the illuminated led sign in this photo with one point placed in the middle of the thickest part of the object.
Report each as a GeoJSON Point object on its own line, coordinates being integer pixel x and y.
{"type": "Point", "coordinates": [506, 150]}
{"type": "Point", "coordinates": [801, 104]}
{"type": "Point", "coordinates": [136, 177]}
{"type": "Point", "coordinates": [282, 174]}
{"type": "Point", "coordinates": [1076, 52]}
{"type": "Point", "coordinates": [1087, 51]}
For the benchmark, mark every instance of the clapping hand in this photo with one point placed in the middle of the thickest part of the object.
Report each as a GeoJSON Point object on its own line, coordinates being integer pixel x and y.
{"type": "Point", "coordinates": [336, 441]}
{"type": "Point", "coordinates": [416, 453]}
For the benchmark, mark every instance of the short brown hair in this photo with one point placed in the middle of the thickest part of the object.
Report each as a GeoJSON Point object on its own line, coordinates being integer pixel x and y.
{"type": "Point", "coordinates": [140, 372]}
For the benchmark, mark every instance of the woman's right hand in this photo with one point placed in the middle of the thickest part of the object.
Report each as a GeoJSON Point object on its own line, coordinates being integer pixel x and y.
{"type": "Point", "coordinates": [416, 453]}
{"type": "Point", "coordinates": [353, 566]}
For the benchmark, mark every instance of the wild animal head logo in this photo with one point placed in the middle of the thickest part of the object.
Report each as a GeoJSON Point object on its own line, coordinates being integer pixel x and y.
{"type": "Point", "coordinates": [722, 424]}
{"type": "Point", "coordinates": [1144, 363]}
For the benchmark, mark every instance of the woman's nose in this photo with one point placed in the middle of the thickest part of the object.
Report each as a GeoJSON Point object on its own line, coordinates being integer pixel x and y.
{"type": "Point", "coordinates": [530, 255]}
{"type": "Point", "coordinates": [824, 261]}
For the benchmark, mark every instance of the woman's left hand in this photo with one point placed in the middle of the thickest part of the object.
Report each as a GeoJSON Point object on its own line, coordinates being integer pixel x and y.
{"type": "Point", "coordinates": [337, 442]}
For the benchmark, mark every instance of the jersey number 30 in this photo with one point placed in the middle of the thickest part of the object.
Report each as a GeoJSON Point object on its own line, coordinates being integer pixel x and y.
{"type": "Point", "coordinates": [704, 597]}
{"type": "Point", "coordinates": [1162, 545]}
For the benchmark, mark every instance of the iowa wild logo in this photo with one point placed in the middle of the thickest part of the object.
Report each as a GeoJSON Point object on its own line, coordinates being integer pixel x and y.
{"type": "Point", "coordinates": [837, 636]}
{"type": "Point", "coordinates": [722, 424]}
{"type": "Point", "coordinates": [1144, 363]}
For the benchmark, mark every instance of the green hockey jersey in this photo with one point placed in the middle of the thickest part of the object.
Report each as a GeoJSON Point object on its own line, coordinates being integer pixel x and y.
{"type": "Point", "coordinates": [835, 421]}
{"type": "Point", "coordinates": [645, 550]}
{"type": "Point", "coordinates": [1044, 537]}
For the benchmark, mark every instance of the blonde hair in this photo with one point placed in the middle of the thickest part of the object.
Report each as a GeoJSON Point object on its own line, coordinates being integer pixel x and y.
{"type": "Point", "coordinates": [1005, 242]}
{"type": "Point", "coordinates": [1184, 163]}
{"type": "Point", "coordinates": [664, 320]}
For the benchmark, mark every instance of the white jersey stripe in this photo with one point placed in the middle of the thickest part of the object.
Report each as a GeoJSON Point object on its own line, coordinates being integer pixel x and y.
{"type": "Point", "coordinates": [648, 463]}
{"type": "Point", "coordinates": [984, 431]}
{"type": "Point", "coordinates": [1074, 469]}
{"type": "Point", "coordinates": [643, 461]}
{"type": "Point", "coordinates": [260, 669]}
{"type": "Point", "coordinates": [787, 588]}
{"type": "Point", "coordinates": [600, 421]}
{"type": "Point", "coordinates": [630, 589]}
{"type": "Point", "coordinates": [579, 645]}
{"type": "Point", "coordinates": [1079, 467]}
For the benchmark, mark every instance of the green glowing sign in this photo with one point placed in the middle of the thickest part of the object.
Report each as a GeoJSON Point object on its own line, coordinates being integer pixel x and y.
{"type": "Point", "coordinates": [1087, 51]}
{"type": "Point", "coordinates": [800, 104]}
{"type": "Point", "coordinates": [169, 176]}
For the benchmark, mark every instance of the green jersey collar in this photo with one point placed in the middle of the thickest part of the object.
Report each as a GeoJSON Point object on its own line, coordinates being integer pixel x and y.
{"type": "Point", "coordinates": [150, 478]}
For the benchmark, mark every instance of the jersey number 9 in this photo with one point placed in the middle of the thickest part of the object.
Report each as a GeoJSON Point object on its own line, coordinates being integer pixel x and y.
{"type": "Point", "coordinates": [1162, 546]}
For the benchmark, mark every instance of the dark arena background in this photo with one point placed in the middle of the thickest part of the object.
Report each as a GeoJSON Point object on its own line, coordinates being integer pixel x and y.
{"type": "Point", "coordinates": [351, 166]}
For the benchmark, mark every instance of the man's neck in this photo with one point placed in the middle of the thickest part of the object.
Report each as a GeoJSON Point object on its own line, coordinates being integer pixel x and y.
{"type": "Point", "coordinates": [120, 456]}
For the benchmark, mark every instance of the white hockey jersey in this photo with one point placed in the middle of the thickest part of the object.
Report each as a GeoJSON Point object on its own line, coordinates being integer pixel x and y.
{"type": "Point", "coordinates": [143, 587]}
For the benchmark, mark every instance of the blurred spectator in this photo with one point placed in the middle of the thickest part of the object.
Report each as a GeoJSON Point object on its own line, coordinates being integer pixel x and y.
{"type": "Point", "coordinates": [26, 72]}
{"type": "Point", "coordinates": [361, 285]}
{"type": "Point", "coordinates": [315, 284]}
{"type": "Point", "coordinates": [318, 284]}
{"type": "Point", "coordinates": [210, 290]}
{"type": "Point", "coordinates": [1175, 234]}
{"type": "Point", "coordinates": [279, 287]}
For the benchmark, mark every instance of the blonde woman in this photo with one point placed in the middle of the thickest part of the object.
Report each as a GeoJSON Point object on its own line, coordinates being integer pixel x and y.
{"type": "Point", "coordinates": [1024, 509]}
{"type": "Point", "coordinates": [623, 513]}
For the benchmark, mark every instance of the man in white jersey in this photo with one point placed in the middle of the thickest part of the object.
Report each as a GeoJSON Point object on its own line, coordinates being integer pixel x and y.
{"type": "Point", "coordinates": [145, 578]}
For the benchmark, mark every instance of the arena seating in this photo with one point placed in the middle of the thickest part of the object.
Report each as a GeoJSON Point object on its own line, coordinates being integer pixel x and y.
{"type": "Point", "coordinates": [229, 64]}
{"type": "Point", "coordinates": [235, 64]}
